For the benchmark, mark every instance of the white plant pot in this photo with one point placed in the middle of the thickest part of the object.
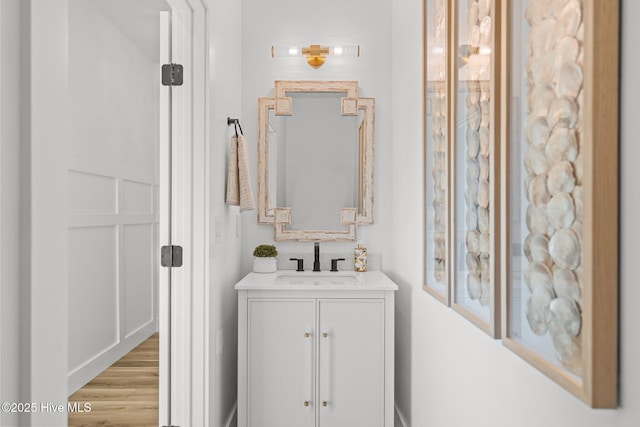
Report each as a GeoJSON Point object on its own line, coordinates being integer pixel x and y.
{"type": "Point", "coordinates": [264, 265]}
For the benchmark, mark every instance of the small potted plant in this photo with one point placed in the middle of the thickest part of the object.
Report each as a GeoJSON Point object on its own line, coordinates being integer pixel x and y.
{"type": "Point", "coordinates": [264, 260]}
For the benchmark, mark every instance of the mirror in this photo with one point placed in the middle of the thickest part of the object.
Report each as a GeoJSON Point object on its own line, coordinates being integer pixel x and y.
{"type": "Point", "coordinates": [315, 160]}
{"type": "Point", "coordinates": [311, 153]}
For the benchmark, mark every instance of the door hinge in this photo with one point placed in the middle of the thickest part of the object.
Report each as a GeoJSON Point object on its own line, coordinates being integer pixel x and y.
{"type": "Point", "coordinates": [172, 74]}
{"type": "Point", "coordinates": [171, 256]}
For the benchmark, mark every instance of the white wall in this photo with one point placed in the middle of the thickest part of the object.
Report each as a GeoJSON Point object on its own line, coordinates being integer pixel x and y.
{"type": "Point", "coordinates": [407, 179]}
{"type": "Point", "coordinates": [358, 22]}
{"type": "Point", "coordinates": [225, 95]}
{"type": "Point", "coordinates": [448, 372]}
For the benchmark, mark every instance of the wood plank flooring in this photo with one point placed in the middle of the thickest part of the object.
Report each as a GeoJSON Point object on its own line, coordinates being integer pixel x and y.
{"type": "Point", "coordinates": [126, 394]}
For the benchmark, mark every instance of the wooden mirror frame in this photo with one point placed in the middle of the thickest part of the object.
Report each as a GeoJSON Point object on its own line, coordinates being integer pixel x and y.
{"type": "Point", "coordinates": [280, 217]}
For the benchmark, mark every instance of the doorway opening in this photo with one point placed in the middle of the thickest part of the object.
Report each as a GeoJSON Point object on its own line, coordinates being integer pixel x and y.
{"type": "Point", "coordinates": [113, 180]}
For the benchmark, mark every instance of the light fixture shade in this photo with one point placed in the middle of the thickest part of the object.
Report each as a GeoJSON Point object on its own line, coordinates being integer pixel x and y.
{"type": "Point", "coordinates": [344, 50]}
{"type": "Point", "coordinates": [315, 54]}
{"type": "Point", "coordinates": [285, 51]}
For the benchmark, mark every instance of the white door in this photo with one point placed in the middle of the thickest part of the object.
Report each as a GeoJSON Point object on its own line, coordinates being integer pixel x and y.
{"type": "Point", "coordinates": [351, 363]}
{"type": "Point", "coordinates": [281, 363]}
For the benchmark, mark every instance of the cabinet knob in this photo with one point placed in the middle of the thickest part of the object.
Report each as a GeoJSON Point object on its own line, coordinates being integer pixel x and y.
{"type": "Point", "coordinates": [325, 403]}
{"type": "Point", "coordinates": [325, 334]}
{"type": "Point", "coordinates": [307, 334]}
{"type": "Point", "coordinates": [306, 403]}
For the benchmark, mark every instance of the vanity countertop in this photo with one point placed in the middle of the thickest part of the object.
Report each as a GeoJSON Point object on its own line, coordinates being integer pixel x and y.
{"type": "Point", "coordinates": [324, 280]}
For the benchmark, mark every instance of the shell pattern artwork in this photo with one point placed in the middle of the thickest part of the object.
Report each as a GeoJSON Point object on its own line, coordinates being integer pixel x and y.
{"type": "Point", "coordinates": [477, 188]}
{"type": "Point", "coordinates": [440, 157]}
{"type": "Point", "coordinates": [553, 162]}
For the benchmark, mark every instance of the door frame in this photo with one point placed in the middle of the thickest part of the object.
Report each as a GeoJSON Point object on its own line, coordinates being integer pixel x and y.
{"type": "Point", "coordinates": [48, 293]}
{"type": "Point", "coordinates": [190, 316]}
{"type": "Point", "coordinates": [1, 204]}
{"type": "Point", "coordinates": [48, 244]}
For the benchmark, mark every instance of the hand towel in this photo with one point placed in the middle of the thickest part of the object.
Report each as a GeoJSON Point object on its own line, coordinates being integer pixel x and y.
{"type": "Point", "coordinates": [239, 192]}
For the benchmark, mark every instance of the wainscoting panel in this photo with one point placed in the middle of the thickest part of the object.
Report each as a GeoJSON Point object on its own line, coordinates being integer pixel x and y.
{"type": "Point", "coordinates": [137, 197]}
{"type": "Point", "coordinates": [113, 263]}
{"type": "Point", "coordinates": [139, 276]}
{"type": "Point", "coordinates": [93, 293]}
{"type": "Point", "coordinates": [91, 194]}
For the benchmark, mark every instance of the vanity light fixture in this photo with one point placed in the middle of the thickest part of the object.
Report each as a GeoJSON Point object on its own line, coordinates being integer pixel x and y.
{"type": "Point", "coordinates": [316, 54]}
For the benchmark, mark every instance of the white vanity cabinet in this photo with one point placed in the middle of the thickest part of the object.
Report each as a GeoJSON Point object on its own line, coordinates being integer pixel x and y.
{"type": "Point", "coordinates": [315, 352]}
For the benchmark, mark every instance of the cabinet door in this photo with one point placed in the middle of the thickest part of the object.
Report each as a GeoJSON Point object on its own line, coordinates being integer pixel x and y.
{"type": "Point", "coordinates": [281, 363]}
{"type": "Point", "coordinates": [351, 363]}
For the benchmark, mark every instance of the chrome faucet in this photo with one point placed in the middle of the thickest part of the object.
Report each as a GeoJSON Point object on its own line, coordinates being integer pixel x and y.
{"type": "Point", "coordinates": [316, 256]}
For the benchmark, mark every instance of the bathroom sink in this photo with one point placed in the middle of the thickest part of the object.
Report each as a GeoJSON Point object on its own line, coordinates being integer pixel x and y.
{"type": "Point", "coordinates": [318, 281]}
{"type": "Point", "coordinates": [318, 277]}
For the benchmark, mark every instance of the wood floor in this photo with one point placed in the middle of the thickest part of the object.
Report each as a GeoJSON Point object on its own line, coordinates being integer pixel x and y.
{"type": "Point", "coordinates": [124, 395]}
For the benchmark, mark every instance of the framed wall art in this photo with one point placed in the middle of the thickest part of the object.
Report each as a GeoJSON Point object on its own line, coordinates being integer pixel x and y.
{"type": "Point", "coordinates": [436, 149]}
{"type": "Point", "coordinates": [461, 158]}
{"type": "Point", "coordinates": [474, 161]}
{"type": "Point", "coordinates": [560, 198]}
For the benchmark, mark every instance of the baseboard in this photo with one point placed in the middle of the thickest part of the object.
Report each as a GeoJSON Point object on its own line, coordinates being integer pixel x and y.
{"type": "Point", "coordinates": [98, 363]}
{"type": "Point", "coordinates": [232, 417]}
{"type": "Point", "coordinates": [401, 418]}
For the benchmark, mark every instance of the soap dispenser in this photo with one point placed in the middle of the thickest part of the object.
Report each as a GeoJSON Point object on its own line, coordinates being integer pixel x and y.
{"type": "Point", "coordinates": [360, 258]}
